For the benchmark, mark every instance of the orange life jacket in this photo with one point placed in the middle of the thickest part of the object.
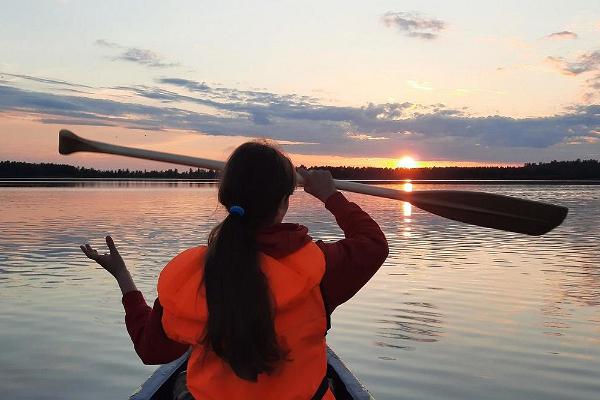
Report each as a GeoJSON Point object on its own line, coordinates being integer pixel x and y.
{"type": "Point", "coordinates": [300, 324]}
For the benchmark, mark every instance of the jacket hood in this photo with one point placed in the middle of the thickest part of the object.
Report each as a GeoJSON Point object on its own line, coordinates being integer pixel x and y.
{"type": "Point", "coordinates": [280, 240]}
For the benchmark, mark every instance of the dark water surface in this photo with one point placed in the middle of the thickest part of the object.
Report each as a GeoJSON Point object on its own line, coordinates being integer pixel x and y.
{"type": "Point", "coordinates": [456, 312]}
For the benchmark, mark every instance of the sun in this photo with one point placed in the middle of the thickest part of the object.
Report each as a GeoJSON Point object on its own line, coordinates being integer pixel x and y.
{"type": "Point", "coordinates": [406, 162]}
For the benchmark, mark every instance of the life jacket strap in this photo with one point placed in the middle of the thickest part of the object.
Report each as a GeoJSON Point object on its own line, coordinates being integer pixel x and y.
{"type": "Point", "coordinates": [322, 389]}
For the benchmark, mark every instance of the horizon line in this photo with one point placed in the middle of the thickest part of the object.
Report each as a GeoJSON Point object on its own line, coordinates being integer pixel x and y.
{"type": "Point", "coordinates": [419, 167]}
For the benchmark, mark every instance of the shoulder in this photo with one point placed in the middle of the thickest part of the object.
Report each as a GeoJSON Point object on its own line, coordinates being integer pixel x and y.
{"type": "Point", "coordinates": [312, 251]}
{"type": "Point", "coordinates": [181, 268]}
{"type": "Point", "coordinates": [188, 255]}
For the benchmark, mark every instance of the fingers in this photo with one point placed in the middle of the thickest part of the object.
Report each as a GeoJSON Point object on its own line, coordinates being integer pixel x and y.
{"type": "Point", "coordinates": [324, 174]}
{"type": "Point", "coordinates": [111, 245]}
{"type": "Point", "coordinates": [319, 176]}
{"type": "Point", "coordinates": [303, 172]}
{"type": "Point", "coordinates": [318, 182]}
{"type": "Point", "coordinates": [303, 176]}
{"type": "Point", "coordinates": [319, 173]}
{"type": "Point", "coordinates": [90, 252]}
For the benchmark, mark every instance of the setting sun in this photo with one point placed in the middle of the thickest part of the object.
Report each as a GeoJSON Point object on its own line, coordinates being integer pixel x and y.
{"type": "Point", "coordinates": [406, 162]}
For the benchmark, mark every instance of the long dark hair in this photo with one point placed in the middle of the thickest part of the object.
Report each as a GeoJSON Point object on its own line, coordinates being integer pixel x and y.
{"type": "Point", "coordinates": [240, 328]}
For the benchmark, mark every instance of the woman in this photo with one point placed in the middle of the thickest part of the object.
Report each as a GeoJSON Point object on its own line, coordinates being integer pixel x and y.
{"type": "Point", "coordinates": [254, 304]}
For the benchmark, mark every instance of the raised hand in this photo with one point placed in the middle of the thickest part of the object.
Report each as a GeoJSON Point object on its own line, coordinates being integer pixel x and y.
{"type": "Point", "coordinates": [112, 261]}
{"type": "Point", "coordinates": [318, 182]}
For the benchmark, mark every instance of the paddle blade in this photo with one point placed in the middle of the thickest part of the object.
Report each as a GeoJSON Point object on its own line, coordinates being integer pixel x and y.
{"type": "Point", "coordinates": [491, 210]}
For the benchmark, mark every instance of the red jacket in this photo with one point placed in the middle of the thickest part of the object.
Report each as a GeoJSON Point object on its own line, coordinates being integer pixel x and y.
{"type": "Point", "coordinates": [349, 264]}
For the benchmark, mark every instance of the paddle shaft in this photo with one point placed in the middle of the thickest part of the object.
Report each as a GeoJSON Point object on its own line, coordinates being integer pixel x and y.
{"type": "Point", "coordinates": [71, 143]}
{"type": "Point", "coordinates": [477, 208]}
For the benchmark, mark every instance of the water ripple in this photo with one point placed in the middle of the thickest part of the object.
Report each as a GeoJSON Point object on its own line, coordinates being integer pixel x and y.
{"type": "Point", "coordinates": [455, 312]}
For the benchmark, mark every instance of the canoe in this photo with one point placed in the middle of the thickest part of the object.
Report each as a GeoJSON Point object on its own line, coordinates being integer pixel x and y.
{"type": "Point", "coordinates": [159, 386]}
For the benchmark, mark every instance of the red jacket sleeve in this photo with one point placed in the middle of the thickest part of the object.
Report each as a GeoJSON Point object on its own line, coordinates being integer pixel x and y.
{"type": "Point", "coordinates": [352, 261]}
{"type": "Point", "coordinates": [145, 329]}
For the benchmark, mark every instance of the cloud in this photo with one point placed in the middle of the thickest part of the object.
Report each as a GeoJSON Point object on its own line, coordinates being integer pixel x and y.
{"type": "Point", "coordinates": [588, 64]}
{"type": "Point", "coordinates": [362, 136]}
{"type": "Point", "coordinates": [414, 24]}
{"type": "Point", "coordinates": [136, 55]}
{"type": "Point", "coordinates": [144, 57]}
{"type": "Point", "coordinates": [188, 84]}
{"type": "Point", "coordinates": [593, 89]}
{"type": "Point", "coordinates": [44, 80]}
{"type": "Point", "coordinates": [419, 85]}
{"type": "Point", "coordinates": [229, 94]}
{"type": "Point", "coordinates": [374, 130]}
{"type": "Point", "coordinates": [106, 43]}
{"type": "Point", "coordinates": [562, 35]}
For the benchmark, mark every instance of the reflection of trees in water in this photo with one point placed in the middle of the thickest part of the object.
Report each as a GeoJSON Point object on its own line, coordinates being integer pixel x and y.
{"type": "Point", "coordinates": [410, 324]}
{"type": "Point", "coordinates": [150, 183]}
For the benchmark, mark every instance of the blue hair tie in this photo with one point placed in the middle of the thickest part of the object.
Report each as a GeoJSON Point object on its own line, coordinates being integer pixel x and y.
{"type": "Point", "coordinates": [237, 210]}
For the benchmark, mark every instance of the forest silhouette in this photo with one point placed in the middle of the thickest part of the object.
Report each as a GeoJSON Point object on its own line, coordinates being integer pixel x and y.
{"type": "Point", "coordinates": [554, 170]}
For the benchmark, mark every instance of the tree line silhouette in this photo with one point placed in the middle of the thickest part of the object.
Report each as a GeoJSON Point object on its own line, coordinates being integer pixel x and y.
{"type": "Point", "coordinates": [554, 170]}
{"type": "Point", "coordinates": [17, 169]}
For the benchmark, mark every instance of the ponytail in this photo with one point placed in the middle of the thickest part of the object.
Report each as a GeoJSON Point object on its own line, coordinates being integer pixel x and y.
{"type": "Point", "coordinates": [240, 327]}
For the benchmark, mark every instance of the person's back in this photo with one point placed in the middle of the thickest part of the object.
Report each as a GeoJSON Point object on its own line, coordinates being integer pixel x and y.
{"type": "Point", "coordinates": [255, 303]}
{"type": "Point", "coordinates": [257, 324]}
{"type": "Point", "coordinates": [299, 317]}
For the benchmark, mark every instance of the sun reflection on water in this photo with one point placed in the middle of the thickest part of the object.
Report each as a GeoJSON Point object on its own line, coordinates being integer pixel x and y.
{"type": "Point", "coordinates": [407, 211]}
{"type": "Point", "coordinates": [407, 207]}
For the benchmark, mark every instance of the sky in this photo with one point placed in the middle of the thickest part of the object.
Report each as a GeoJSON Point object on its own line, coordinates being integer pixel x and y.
{"type": "Point", "coordinates": [334, 83]}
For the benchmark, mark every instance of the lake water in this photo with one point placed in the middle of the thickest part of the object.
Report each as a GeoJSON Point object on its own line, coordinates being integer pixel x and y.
{"type": "Point", "coordinates": [456, 312]}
